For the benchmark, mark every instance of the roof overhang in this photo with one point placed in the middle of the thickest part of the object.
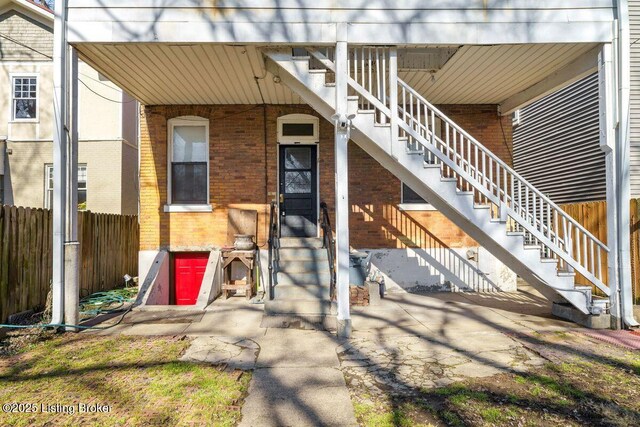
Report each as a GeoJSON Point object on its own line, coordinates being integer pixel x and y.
{"type": "Point", "coordinates": [38, 12]}
{"type": "Point", "coordinates": [206, 73]}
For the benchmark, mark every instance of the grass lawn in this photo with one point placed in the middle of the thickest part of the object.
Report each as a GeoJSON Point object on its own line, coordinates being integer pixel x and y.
{"type": "Point", "coordinates": [140, 379]}
{"type": "Point", "coordinates": [586, 384]}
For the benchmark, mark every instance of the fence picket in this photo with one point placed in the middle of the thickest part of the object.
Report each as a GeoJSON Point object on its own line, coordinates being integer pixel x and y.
{"type": "Point", "coordinates": [108, 248]}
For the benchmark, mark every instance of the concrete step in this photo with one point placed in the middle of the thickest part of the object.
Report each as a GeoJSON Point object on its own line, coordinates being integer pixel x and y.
{"type": "Point", "coordinates": [301, 266]}
{"type": "Point", "coordinates": [301, 242]}
{"type": "Point", "coordinates": [298, 307]}
{"type": "Point", "coordinates": [288, 292]}
{"type": "Point", "coordinates": [288, 254]}
{"type": "Point", "coordinates": [317, 278]}
{"type": "Point", "coordinates": [303, 321]}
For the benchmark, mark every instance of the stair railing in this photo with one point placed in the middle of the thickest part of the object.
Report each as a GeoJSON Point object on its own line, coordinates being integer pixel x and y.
{"type": "Point", "coordinates": [273, 247]}
{"type": "Point", "coordinates": [474, 168]}
{"type": "Point", "coordinates": [328, 242]}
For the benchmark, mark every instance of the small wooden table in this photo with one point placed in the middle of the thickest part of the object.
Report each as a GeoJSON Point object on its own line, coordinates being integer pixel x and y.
{"type": "Point", "coordinates": [247, 258]}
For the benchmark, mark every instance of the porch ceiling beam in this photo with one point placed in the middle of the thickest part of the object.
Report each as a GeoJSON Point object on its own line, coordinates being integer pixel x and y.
{"type": "Point", "coordinates": [579, 68]}
{"type": "Point", "coordinates": [322, 33]}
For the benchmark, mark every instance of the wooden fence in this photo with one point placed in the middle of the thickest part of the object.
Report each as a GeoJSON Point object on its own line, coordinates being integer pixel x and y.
{"type": "Point", "coordinates": [108, 248]}
{"type": "Point", "coordinates": [593, 216]}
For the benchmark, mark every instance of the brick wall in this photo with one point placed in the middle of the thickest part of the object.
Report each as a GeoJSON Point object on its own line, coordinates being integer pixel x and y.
{"type": "Point", "coordinates": [240, 156]}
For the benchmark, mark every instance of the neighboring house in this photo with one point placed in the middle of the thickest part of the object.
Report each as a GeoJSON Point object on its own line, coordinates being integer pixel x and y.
{"type": "Point", "coordinates": [108, 152]}
{"type": "Point", "coordinates": [563, 129]}
{"type": "Point", "coordinates": [238, 115]}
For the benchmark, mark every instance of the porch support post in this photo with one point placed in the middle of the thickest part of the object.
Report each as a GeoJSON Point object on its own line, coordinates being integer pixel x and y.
{"type": "Point", "coordinates": [342, 126]}
{"type": "Point", "coordinates": [606, 89]}
{"type": "Point", "coordinates": [623, 165]}
{"type": "Point", "coordinates": [59, 159]}
{"type": "Point", "coordinates": [393, 99]}
{"type": "Point", "coordinates": [72, 246]}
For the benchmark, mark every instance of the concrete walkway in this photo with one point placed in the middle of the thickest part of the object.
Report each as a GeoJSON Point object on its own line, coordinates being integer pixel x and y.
{"type": "Point", "coordinates": [297, 380]}
{"type": "Point", "coordinates": [408, 343]}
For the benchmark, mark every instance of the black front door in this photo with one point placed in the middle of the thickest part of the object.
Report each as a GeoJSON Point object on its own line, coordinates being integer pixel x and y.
{"type": "Point", "coordinates": [298, 191]}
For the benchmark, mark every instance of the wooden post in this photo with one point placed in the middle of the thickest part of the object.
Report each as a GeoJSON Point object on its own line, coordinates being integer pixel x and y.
{"type": "Point", "coordinates": [342, 184]}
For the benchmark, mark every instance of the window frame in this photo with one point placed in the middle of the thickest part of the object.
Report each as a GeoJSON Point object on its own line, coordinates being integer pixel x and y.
{"type": "Point", "coordinates": [48, 169]}
{"type": "Point", "coordinates": [12, 112]}
{"type": "Point", "coordinates": [412, 206]}
{"type": "Point", "coordinates": [195, 121]}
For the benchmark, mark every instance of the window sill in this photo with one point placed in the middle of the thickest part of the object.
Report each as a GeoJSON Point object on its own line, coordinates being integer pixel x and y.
{"type": "Point", "coordinates": [188, 208]}
{"type": "Point", "coordinates": [24, 121]}
{"type": "Point", "coordinates": [416, 207]}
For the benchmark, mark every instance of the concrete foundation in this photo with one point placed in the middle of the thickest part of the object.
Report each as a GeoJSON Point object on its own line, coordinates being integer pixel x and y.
{"type": "Point", "coordinates": [441, 270]}
{"type": "Point", "coordinates": [568, 312]}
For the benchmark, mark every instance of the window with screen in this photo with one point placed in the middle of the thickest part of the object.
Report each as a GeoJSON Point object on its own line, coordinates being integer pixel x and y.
{"type": "Point", "coordinates": [189, 161]}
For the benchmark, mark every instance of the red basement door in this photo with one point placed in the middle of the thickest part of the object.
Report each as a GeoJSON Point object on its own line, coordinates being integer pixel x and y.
{"type": "Point", "coordinates": [188, 270]}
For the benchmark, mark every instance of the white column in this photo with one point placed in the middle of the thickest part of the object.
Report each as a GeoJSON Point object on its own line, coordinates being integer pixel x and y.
{"type": "Point", "coordinates": [623, 150]}
{"type": "Point", "coordinates": [72, 247]}
{"type": "Point", "coordinates": [59, 159]}
{"type": "Point", "coordinates": [606, 102]}
{"type": "Point", "coordinates": [393, 100]}
{"type": "Point", "coordinates": [342, 125]}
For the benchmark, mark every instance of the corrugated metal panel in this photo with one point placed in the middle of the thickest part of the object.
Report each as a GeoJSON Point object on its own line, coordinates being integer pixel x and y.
{"type": "Point", "coordinates": [164, 74]}
{"type": "Point", "coordinates": [556, 146]}
{"type": "Point", "coordinates": [634, 26]}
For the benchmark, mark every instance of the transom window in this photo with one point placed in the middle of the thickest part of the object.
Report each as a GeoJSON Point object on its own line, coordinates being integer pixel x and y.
{"type": "Point", "coordinates": [298, 128]}
{"type": "Point", "coordinates": [82, 187]}
{"type": "Point", "coordinates": [25, 98]}
{"type": "Point", "coordinates": [188, 161]}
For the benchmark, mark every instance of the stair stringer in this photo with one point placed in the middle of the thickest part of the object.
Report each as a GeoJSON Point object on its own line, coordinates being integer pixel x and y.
{"type": "Point", "coordinates": [426, 181]}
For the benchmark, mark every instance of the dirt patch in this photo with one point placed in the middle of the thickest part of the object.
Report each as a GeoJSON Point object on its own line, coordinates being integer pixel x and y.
{"type": "Point", "coordinates": [584, 382]}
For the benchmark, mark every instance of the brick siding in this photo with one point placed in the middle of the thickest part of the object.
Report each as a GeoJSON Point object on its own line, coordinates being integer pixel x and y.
{"type": "Point", "coordinates": [241, 155]}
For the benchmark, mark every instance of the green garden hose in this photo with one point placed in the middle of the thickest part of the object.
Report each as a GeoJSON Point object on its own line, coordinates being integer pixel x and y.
{"type": "Point", "coordinates": [104, 302]}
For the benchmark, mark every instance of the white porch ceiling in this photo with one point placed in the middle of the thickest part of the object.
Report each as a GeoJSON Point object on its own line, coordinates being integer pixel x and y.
{"type": "Point", "coordinates": [222, 74]}
{"type": "Point", "coordinates": [161, 74]}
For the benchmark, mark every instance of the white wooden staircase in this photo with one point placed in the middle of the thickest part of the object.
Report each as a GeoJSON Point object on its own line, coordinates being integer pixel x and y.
{"type": "Point", "coordinates": [453, 171]}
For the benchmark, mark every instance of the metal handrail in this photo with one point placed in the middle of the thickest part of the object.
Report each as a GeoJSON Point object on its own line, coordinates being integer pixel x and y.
{"type": "Point", "coordinates": [273, 246]}
{"type": "Point", "coordinates": [328, 242]}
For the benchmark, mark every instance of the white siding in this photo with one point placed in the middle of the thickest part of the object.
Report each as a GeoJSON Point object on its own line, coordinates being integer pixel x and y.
{"type": "Point", "coordinates": [556, 146]}
{"type": "Point", "coordinates": [314, 21]}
